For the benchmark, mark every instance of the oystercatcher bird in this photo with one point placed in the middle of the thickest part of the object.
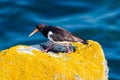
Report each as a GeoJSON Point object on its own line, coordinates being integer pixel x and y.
{"type": "Point", "coordinates": [57, 35]}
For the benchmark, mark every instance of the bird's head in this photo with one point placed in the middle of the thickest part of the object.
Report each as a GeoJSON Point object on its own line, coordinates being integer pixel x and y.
{"type": "Point", "coordinates": [39, 27]}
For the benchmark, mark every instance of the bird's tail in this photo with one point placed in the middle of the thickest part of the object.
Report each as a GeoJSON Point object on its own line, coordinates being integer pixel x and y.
{"type": "Point", "coordinates": [83, 41]}
{"type": "Point", "coordinates": [80, 40]}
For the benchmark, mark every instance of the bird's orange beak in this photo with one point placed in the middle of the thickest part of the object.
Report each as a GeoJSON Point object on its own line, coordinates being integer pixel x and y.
{"type": "Point", "coordinates": [36, 30]}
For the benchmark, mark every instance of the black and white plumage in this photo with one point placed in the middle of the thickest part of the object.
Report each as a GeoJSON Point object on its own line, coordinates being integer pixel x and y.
{"type": "Point", "coordinates": [57, 35]}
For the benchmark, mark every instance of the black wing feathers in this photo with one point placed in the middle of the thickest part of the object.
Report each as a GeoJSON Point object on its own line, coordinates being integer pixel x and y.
{"type": "Point", "coordinates": [60, 34]}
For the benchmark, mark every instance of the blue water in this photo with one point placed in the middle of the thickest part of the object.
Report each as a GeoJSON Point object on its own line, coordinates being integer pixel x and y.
{"type": "Point", "coordinates": [98, 20]}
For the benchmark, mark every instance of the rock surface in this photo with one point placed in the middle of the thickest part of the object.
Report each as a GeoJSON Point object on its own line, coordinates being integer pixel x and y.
{"type": "Point", "coordinates": [23, 62]}
{"type": "Point", "coordinates": [56, 48]}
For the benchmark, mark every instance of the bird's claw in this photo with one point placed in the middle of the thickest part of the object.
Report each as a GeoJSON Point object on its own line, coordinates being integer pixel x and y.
{"type": "Point", "coordinates": [45, 51]}
{"type": "Point", "coordinates": [69, 51]}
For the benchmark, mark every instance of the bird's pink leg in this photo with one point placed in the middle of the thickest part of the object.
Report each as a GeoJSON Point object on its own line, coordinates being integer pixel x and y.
{"type": "Point", "coordinates": [46, 50]}
{"type": "Point", "coordinates": [68, 49]}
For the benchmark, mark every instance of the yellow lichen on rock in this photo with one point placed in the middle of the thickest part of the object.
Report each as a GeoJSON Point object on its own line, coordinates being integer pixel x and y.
{"type": "Point", "coordinates": [26, 63]}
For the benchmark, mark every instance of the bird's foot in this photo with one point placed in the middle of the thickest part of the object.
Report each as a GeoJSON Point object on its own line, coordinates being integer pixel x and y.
{"type": "Point", "coordinates": [69, 51]}
{"type": "Point", "coordinates": [45, 51]}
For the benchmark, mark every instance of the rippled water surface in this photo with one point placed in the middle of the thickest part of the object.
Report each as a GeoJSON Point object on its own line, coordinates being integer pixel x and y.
{"type": "Point", "coordinates": [98, 20]}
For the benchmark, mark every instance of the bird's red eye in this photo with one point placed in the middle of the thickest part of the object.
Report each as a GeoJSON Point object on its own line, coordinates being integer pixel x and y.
{"type": "Point", "coordinates": [38, 26]}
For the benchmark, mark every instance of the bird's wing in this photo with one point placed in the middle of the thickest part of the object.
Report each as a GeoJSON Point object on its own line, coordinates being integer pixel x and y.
{"type": "Point", "coordinates": [63, 35]}
{"type": "Point", "coordinates": [60, 34]}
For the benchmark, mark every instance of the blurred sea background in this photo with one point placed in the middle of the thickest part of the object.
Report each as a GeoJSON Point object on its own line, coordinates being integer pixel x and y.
{"type": "Point", "coordinates": [97, 20]}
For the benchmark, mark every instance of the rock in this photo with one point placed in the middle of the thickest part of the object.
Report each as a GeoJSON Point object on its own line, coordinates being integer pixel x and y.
{"type": "Point", "coordinates": [56, 48]}
{"type": "Point", "coordinates": [23, 62]}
